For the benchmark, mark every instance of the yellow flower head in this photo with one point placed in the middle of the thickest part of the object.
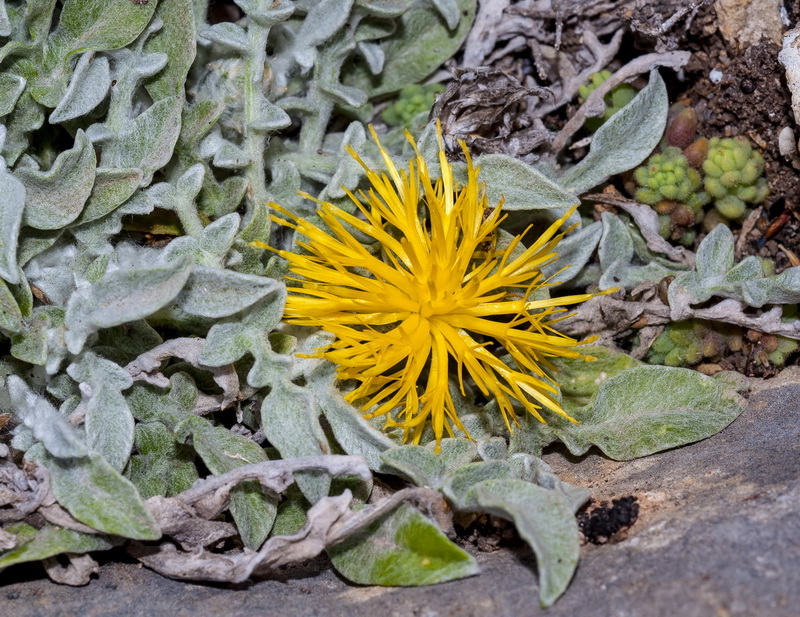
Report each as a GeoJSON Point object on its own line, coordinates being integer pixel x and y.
{"type": "Point", "coordinates": [431, 297]}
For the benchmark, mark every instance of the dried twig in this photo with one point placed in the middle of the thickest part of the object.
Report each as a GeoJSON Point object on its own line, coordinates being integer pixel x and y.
{"type": "Point", "coordinates": [146, 368]}
{"type": "Point", "coordinates": [646, 220]}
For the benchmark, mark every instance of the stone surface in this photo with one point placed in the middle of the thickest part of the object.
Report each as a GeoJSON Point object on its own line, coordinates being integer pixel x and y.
{"type": "Point", "coordinates": [718, 535]}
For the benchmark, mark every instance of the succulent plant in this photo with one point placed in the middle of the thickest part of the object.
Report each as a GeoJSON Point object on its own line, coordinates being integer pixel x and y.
{"type": "Point", "coordinates": [414, 99]}
{"type": "Point", "coordinates": [690, 342]}
{"type": "Point", "coordinates": [734, 176]}
{"type": "Point", "coordinates": [614, 100]}
{"type": "Point", "coordinates": [668, 183]}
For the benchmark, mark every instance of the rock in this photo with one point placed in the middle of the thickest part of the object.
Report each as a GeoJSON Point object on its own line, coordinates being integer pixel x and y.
{"type": "Point", "coordinates": [717, 534]}
{"type": "Point", "coordinates": [743, 22]}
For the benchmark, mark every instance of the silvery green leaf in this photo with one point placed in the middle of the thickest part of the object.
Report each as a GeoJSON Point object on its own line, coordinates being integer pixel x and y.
{"type": "Point", "coordinates": [162, 466]}
{"type": "Point", "coordinates": [494, 448]}
{"type": "Point", "coordinates": [266, 18]}
{"type": "Point", "coordinates": [218, 237]}
{"type": "Point", "coordinates": [56, 197]}
{"type": "Point", "coordinates": [109, 422]}
{"type": "Point", "coordinates": [521, 186]}
{"type": "Point", "coordinates": [31, 345]}
{"type": "Point", "coordinates": [349, 171]}
{"type": "Point", "coordinates": [290, 421]}
{"type": "Point", "coordinates": [228, 35]}
{"type": "Point", "coordinates": [625, 140]}
{"type": "Point", "coordinates": [5, 23]}
{"type": "Point", "coordinates": [534, 469]}
{"type": "Point", "coordinates": [616, 254]}
{"type": "Point", "coordinates": [401, 549]}
{"type": "Point", "coordinates": [420, 43]}
{"type": "Point", "coordinates": [449, 10]}
{"type": "Point", "coordinates": [112, 187]}
{"type": "Point", "coordinates": [87, 89]}
{"type": "Point", "coordinates": [373, 55]}
{"type": "Point", "coordinates": [417, 464]}
{"type": "Point", "coordinates": [269, 117]}
{"type": "Point", "coordinates": [212, 292]}
{"type": "Point", "coordinates": [252, 509]}
{"type": "Point", "coordinates": [781, 289]}
{"type": "Point", "coordinates": [11, 210]}
{"type": "Point", "coordinates": [11, 87]}
{"type": "Point", "coordinates": [323, 21]}
{"type": "Point", "coordinates": [348, 95]}
{"type": "Point", "coordinates": [459, 486]}
{"type": "Point", "coordinates": [148, 140]}
{"type": "Point", "coordinates": [99, 24]}
{"type": "Point", "coordinates": [385, 8]}
{"type": "Point", "coordinates": [715, 255]}
{"type": "Point", "coordinates": [177, 40]}
{"type": "Point", "coordinates": [37, 544]}
{"type": "Point", "coordinates": [574, 252]}
{"type": "Point", "coordinates": [545, 520]}
{"type": "Point", "coordinates": [230, 156]}
{"type": "Point", "coordinates": [352, 432]}
{"type": "Point", "coordinates": [10, 313]}
{"type": "Point", "coordinates": [228, 342]}
{"type": "Point", "coordinates": [48, 426]}
{"type": "Point", "coordinates": [646, 409]}
{"type": "Point", "coordinates": [122, 296]}
{"type": "Point", "coordinates": [98, 496]}
{"type": "Point", "coordinates": [86, 25]}
{"type": "Point", "coordinates": [27, 116]}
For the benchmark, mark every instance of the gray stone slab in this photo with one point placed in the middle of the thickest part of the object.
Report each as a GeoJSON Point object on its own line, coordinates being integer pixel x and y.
{"type": "Point", "coordinates": [718, 535]}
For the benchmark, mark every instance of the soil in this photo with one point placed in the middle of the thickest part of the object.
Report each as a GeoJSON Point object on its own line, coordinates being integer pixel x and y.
{"type": "Point", "coordinates": [604, 522]}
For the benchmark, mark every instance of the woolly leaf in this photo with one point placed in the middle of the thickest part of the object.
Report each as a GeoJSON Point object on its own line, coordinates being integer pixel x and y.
{"type": "Point", "coordinates": [98, 496]}
{"type": "Point", "coordinates": [544, 518]}
{"type": "Point", "coordinates": [87, 89]}
{"type": "Point", "coordinates": [37, 544]}
{"type": "Point", "coordinates": [623, 141]}
{"type": "Point", "coordinates": [647, 409]}
{"type": "Point", "coordinates": [402, 549]}
{"type": "Point", "coordinates": [56, 197]}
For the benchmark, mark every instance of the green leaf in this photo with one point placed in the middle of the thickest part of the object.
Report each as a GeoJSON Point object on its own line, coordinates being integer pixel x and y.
{"type": "Point", "coordinates": [11, 208]}
{"type": "Point", "coordinates": [402, 549]}
{"type": "Point", "coordinates": [109, 422]}
{"type": "Point", "coordinates": [290, 420]}
{"type": "Point", "coordinates": [625, 140]}
{"type": "Point", "coordinates": [112, 187]}
{"type": "Point", "coordinates": [121, 296]}
{"type": "Point", "coordinates": [213, 292]}
{"type": "Point", "coordinates": [50, 541]}
{"type": "Point", "coordinates": [147, 142]}
{"type": "Point", "coordinates": [10, 313]}
{"type": "Point", "coordinates": [163, 466]}
{"type": "Point", "coordinates": [99, 24]}
{"type": "Point", "coordinates": [352, 432]}
{"type": "Point", "coordinates": [56, 197]}
{"type": "Point", "coordinates": [98, 496]}
{"type": "Point", "coordinates": [521, 186]}
{"type": "Point", "coordinates": [87, 89]}
{"type": "Point", "coordinates": [11, 87]}
{"type": "Point", "coordinates": [47, 424]}
{"type": "Point", "coordinates": [325, 19]}
{"type": "Point", "coordinates": [177, 39]}
{"type": "Point", "coordinates": [647, 409]}
{"type": "Point", "coordinates": [222, 451]}
{"type": "Point", "coordinates": [416, 463]}
{"type": "Point", "coordinates": [421, 43]}
{"type": "Point", "coordinates": [545, 520]}
{"type": "Point", "coordinates": [459, 487]}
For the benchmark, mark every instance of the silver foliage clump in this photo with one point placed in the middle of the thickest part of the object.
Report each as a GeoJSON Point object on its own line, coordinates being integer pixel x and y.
{"type": "Point", "coordinates": [127, 361]}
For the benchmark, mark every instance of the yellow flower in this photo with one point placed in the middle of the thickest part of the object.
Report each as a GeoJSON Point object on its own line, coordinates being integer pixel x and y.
{"type": "Point", "coordinates": [432, 296]}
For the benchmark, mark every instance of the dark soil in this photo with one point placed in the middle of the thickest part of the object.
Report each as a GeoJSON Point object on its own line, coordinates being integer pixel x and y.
{"type": "Point", "coordinates": [606, 523]}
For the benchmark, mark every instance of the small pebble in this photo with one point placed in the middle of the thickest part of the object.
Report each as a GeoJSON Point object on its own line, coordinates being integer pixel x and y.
{"type": "Point", "coordinates": [715, 76]}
